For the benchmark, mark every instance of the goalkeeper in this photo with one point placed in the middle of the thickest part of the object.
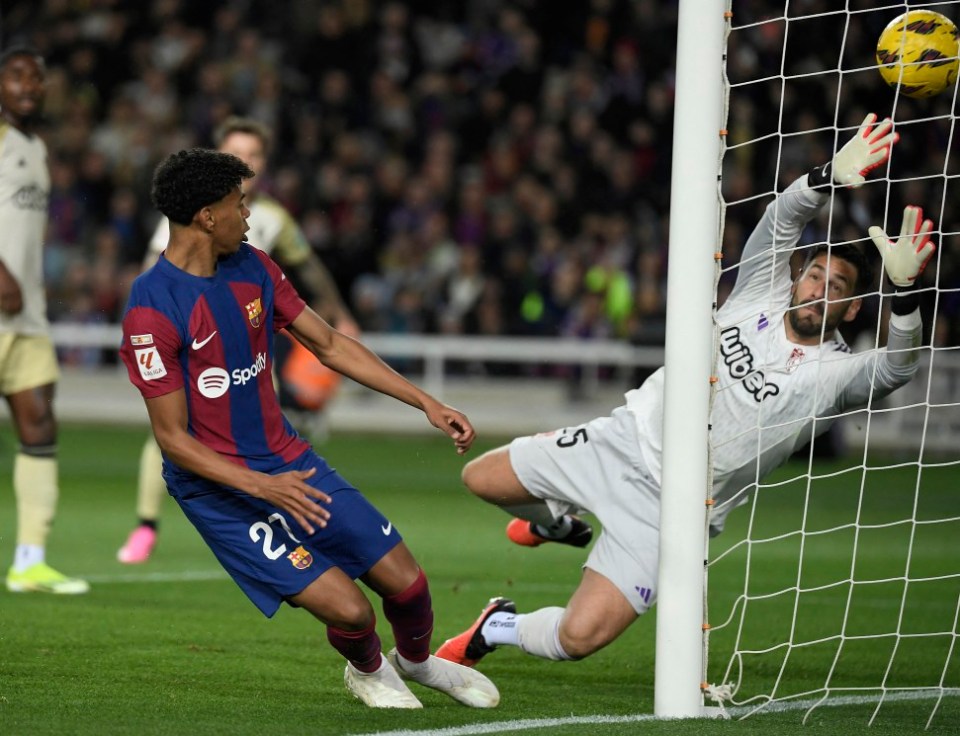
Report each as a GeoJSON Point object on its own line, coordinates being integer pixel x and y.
{"type": "Point", "coordinates": [785, 374]}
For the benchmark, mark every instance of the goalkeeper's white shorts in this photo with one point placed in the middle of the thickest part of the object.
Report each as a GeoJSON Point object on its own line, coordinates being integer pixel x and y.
{"type": "Point", "coordinates": [598, 467]}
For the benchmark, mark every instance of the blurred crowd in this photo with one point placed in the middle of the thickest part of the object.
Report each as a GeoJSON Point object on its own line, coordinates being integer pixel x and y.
{"type": "Point", "coordinates": [469, 167]}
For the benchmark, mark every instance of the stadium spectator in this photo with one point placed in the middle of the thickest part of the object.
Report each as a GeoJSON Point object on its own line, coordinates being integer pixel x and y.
{"type": "Point", "coordinates": [787, 371]}
{"type": "Point", "coordinates": [579, 102]}
{"type": "Point", "coordinates": [212, 303]}
{"type": "Point", "coordinates": [28, 363]}
{"type": "Point", "coordinates": [276, 233]}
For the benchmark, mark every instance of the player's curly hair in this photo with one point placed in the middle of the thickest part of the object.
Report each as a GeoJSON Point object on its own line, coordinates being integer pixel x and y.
{"type": "Point", "coordinates": [852, 254]}
{"type": "Point", "coordinates": [187, 181]}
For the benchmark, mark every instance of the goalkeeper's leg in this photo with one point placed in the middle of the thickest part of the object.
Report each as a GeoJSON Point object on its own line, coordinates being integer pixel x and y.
{"type": "Point", "coordinates": [595, 616]}
{"type": "Point", "coordinates": [492, 478]}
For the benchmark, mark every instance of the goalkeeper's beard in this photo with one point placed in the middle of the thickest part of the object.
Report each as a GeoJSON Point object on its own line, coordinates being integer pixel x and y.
{"type": "Point", "coordinates": [814, 322]}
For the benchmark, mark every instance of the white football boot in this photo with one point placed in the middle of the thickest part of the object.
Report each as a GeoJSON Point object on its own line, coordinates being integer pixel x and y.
{"type": "Point", "coordinates": [461, 683]}
{"type": "Point", "coordinates": [380, 689]}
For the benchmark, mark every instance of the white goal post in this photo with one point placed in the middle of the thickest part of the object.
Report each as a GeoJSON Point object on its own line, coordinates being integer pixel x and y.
{"type": "Point", "coordinates": [694, 239]}
{"type": "Point", "coordinates": [853, 557]}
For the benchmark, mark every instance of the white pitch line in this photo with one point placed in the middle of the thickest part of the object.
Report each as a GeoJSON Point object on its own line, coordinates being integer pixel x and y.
{"type": "Point", "coordinates": [524, 725]}
{"type": "Point", "coordinates": [527, 724]}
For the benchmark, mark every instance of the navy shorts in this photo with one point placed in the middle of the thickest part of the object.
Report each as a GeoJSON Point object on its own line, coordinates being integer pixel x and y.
{"type": "Point", "coordinates": [264, 549]}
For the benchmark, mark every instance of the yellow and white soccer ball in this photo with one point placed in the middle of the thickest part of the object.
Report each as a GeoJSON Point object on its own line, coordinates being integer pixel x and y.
{"type": "Point", "coordinates": [917, 52]}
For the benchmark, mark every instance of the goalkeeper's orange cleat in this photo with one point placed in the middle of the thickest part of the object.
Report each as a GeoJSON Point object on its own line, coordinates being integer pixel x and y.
{"type": "Point", "coordinates": [521, 532]}
{"type": "Point", "coordinates": [470, 647]}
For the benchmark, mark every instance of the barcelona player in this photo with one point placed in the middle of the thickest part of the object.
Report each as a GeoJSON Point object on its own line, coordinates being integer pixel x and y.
{"type": "Point", "coordinates": [274, 231]}
{"type": "Point", "coordinates": [198, 344]}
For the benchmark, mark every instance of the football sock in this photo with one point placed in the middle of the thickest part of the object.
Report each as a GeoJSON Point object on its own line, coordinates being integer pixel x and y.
{"type": "Point", "coordinates": [27, 555]}
{"type": "Point", "coordinates": [538, 633]}
{"type": "Point", "coordinates": [36, 490]}
{"type": "Point", "coordinates": [360, 648]}
{"type": "Point", "coordinates": [151, 487]}
{"type": "Point", "coordinates": [413, 668]}
{"type": "Point", "coordinates": [410, 613]}
{"type": "Point", "coordinates": [149, 523]}
{"type": "Point", "coordinates": [501, 628]}
{"type": "Point", "coordinates": [557, 530]}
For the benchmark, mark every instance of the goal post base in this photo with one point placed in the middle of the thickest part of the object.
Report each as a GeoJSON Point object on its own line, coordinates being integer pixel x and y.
{"type": "Point", "coordinates": [715, 712]}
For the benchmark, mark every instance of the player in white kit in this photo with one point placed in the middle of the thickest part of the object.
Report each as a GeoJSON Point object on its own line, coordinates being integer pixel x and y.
{"type": "Point", "coordinates": [784, 375]}
{"type": "Point", "coordinates": [28, 362]}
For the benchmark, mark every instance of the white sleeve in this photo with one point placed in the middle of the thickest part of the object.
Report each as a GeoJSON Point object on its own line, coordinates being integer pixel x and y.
{"type": "Point", "coordinates": [158, 243]}
{"type": "Point", "coordinates": [887, 369]}
{"type": "Point", "coordinates": [765, 264]}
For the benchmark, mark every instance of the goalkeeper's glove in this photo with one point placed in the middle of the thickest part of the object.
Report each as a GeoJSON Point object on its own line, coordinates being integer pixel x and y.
{"type": "Point", "coordinates": [905, 258]}
{"type": "Point", "coordinates": [867, 150]}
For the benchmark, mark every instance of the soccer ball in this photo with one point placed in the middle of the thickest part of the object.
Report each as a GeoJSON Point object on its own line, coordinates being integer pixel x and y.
{"type": "Point", "coordinates": [917, 53]}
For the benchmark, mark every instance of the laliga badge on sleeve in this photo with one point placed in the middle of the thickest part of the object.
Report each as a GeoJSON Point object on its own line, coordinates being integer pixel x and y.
{"type": "Point", "coordinates": [150, 365]}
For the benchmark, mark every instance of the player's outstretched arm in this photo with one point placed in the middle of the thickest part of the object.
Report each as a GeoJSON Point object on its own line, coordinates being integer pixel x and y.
{"type": "Point", "coordinates": [869, 148]}
{"type": "Point", "coordinates": [903, 261]}
{"type": "Point", "coordinates": [354, 360]}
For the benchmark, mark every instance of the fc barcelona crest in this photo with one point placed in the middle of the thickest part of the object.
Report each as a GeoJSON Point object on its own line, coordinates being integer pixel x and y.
{"type": "Point", "coordinates": [300, 558]}
{"type": "Point", "coordinates": [254, 310]}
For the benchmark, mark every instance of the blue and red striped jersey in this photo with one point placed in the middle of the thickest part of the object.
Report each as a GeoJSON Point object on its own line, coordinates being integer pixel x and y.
{"type": "Point", "coordinates": [213, 338]}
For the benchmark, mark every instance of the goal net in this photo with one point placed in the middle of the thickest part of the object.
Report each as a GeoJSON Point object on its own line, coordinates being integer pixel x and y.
{"type": "Point", "coordinates": [838, 581]}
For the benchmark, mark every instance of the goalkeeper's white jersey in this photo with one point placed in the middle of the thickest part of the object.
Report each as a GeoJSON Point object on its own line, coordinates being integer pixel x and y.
{"type": "Point", "coordinates": [773, 395]}
{"type": "Point", "coordinates": [24, 191]}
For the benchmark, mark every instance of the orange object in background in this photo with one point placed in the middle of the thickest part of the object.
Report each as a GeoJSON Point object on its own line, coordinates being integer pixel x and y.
{"type": "Point", "coordinates": [309, 382]}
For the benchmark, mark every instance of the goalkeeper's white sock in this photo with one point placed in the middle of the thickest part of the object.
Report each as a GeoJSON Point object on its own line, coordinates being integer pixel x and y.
{"type": "Point", "coordinates": [538, 633]}
{"type": "Point", "coordinates": [501, 628]}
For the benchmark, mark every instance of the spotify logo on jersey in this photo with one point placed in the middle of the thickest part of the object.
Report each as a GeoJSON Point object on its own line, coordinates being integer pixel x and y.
{"type": "Point", "coordinates": [213, 382]}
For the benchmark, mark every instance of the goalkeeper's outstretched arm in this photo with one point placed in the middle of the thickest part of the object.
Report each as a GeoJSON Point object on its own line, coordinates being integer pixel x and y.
{"type": "Point", "coordinates": [903, 261]}
{"type": "Point", "coordinates": [784, 218]}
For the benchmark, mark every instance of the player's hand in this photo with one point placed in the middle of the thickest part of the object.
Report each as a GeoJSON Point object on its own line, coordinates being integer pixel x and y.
{"type": "Point", "coordinates": [453, 422]}
{"type": "Point", "coordinates": [291, 492]}
{"type": "Point", "coordinates": [867, 150]}
{"type": "Point", "coordinates": [11, 297]}
{"type": "Point", "coordinates": [905, 258]}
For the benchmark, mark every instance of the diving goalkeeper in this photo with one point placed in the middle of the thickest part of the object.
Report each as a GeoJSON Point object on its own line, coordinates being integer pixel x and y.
{"type": "Point", "coordinates": [785, 374]}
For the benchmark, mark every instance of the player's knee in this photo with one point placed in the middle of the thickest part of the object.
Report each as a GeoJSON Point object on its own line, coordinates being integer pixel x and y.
{"type": "Point", "coordinates": [473, 476]}
{"type": "Point", "coordinates": [352, 615]}
{"type": "Point", "coordinates": [486, 476]}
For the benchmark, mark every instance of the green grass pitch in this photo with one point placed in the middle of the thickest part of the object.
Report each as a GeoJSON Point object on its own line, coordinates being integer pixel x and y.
{"type": "Point", "coordinates": [173, 647]}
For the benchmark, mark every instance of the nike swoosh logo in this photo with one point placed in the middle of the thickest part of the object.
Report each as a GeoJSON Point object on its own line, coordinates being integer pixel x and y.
{"type": "Point", "coordinates": [197, 345]}
{"type": "Point", "coordinates": [387, 529]}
